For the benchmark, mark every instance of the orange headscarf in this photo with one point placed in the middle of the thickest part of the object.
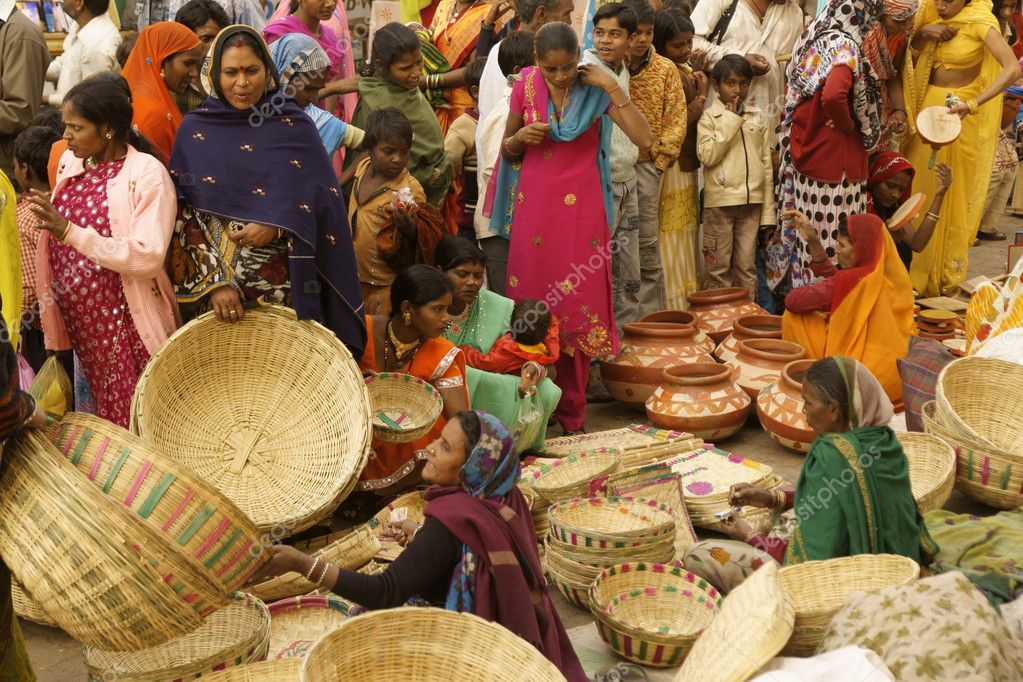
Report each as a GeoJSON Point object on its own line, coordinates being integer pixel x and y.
{"type": "Point", "coordinates": [157, 116]}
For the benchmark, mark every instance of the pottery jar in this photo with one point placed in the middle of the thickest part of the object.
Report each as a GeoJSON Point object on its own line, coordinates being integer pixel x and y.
{"type": "Point", "coordinates": [717, 309]}
{"type": "Point", "coordinates": [761, 361]}
{"type": "Point", "coordinates": [700, 398]}
{"type": "Point", "coordinates": [647, 349]}
{"type": "Point", "coordinates": [684, 318]}
{"type": "Point", "coordinates": [780, 408]}
{"type": "Point", "coordinates": [745, 328]}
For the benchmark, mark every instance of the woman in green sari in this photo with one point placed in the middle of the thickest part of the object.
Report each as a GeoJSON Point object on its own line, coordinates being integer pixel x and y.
{"type": "Point", "coordinates": [478, 318]}
{"type": "Point", "coordinates": [853, 495]}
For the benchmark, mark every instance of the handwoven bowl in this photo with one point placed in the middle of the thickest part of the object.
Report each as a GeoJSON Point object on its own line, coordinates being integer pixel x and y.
{"type": "Point", "coordinates": [297, 622]}
{"type": "Point", "coordinates": [26, 607]}
{"type": "Point", "coordinates": [932, 469]}
{"type": "Point", "coordinates": [818, 589]}
{"type": "Point", "coordinates": [412, 643]}
{"type": "Point", "coordinates": [610, 522]}
{"type": "Point", "coordinates": [570, 476]}
{"type": "Point", "coordinates": [403, 407]}
{"type": "Point", "coordinates": [271, 411]}
{"type": "Point", "coordinates": [981, 399]}
{"type": "Point", "coordinates": [284, 670]}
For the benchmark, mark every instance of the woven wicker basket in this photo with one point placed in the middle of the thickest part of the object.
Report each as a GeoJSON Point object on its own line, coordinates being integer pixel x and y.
{"type": "Point", "coordinates": [932, 469]}
{"type": "Point", "coordinates": [63, 540]}
{"type": "Point", "coordinates": [817, 590]}
{"type": "Point", "coordinates": [403, 407]}
{"type": "Point", "coordinates": [414, 504]}
{"type": "Point", "coordinates": [610, 522]}
{"type": "Point", "coordinates": [284, 670]}
{"type": "Point", "coordinates": [271, 411]}
{"type": "Point", "coordinates": [575, 590]}
{"type": "Point", "coordinates": [238, 633]}
{"type": "Point", "coordinates": [297, 622]}
{"type": "Point", "coordinates": [26, 607]}
{"type": "Point", "coordinates": [752, 626]}
{"type": "Point", "coordinates": [651, 614]}
{"type": "Point", "coordinates": [982, 473]}
{"type": "Point", "coordinates": [982, 399]}
{"type": "Point", "coordinates": [208, 530]}
{"type": "Point", "coordinates": [570, 476]}
{"type": "Point", "coordinates": [424, 644]}
{"type": "Point", "coordinates": [660, 551]}
{"type": "Point", "coordinates": [349, 549]}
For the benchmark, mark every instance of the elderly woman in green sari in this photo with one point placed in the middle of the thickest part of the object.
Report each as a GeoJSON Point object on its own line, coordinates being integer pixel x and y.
{"type": "Point", "coordinates": [853, 495]}
{"type": "Point", "coordinates": [478, 319]}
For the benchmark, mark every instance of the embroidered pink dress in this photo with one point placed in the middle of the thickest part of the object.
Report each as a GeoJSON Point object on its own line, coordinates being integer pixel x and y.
{"type": "Point", "coordinates": [91, 300]}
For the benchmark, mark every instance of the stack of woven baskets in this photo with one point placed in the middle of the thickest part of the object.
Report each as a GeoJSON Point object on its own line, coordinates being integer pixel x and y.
{"type": "Point", "coordinates": [978, 410]}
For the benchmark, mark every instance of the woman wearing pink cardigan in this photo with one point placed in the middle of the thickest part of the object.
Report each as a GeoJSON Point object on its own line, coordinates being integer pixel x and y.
{"type": "Point", "coordinates": [101, 282]}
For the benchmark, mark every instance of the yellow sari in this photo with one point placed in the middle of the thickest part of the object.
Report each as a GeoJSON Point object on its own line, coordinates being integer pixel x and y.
{"type": "Point", "coordinates": [943, 264]}
{"type": "Point", "coordinates": [10, 260]}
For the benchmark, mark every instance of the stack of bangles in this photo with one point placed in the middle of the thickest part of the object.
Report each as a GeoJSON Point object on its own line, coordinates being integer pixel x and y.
{"type": "Point", "coordinates": [779, 499]}
{"type": "Point", "coordinates": [627, 102]}
{"type": "Point", "coordinates": [932, 216]}
{"type": "Point", "coordinates": [973, 105]}
{"type": "Point", "coordinates": [63, 235]}
{"type": "Point", "coordinates": [434, 81]}
{"type": "Point", "coordinates": [312, 569]}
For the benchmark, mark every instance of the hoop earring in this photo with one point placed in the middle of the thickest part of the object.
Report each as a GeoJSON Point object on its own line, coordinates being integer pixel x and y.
{"type": "Point", "coordinates": [110, 136]}
{"type": "Point", "coordinates": [408, 319]}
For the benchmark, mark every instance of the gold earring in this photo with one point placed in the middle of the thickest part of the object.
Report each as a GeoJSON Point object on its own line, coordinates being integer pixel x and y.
{"type": "Point", "coordinates": [408, 319]}
{"type": "Point", "coordinates": [110, 136]}
{"type": "Point", "coordinates": [162, 74]}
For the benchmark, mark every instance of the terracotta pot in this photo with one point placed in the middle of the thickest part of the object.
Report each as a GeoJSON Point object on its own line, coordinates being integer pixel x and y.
{"type": "Point", "coordinates": [717, 309]}
{"type": "Point", "coordinates": [700, 398]}
{"type": "Point", "coordinates": [780, 408]}
{"type": "Point", "coordinates": [685, 319]}
{"type": "Point", "coordinates": [647, 349]}
{"type": "Point", "coordinates": [761, 361]}
{"type": "Point", "coordinates": [746, 328]}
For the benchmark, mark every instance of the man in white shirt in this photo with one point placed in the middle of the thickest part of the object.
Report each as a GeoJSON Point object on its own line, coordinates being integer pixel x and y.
{"type": "Point", "coordinates": [90, 47]}
{"type": "Point", "coordinates": [23, 61]}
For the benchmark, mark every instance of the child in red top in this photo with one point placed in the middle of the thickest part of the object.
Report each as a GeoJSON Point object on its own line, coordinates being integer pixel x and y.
{"type": "Point", "coordinates": [533, 338]}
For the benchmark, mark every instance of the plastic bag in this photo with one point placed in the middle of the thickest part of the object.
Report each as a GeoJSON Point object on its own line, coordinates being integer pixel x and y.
{"type": "Point", "coordinates": [25, 373]}
{"type": "Point", "coordinates": [528, 423]}
{"type": "Point", "coordinates": [52, 388]}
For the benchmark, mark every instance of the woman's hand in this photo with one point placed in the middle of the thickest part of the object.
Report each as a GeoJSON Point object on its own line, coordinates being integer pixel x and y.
{"type": "Point", "coordinates": [590, 74]}
{"type": "Point", "coordinates": [698, 60]}
{"type": "Point", "coordinates": [43, 210]}
{"type": "Point", "coordinates": [898, 123]}
{"type": "Point", "coordinates": [702, 84]}
{"type": "Point", "coordinates": [758, 63]}
{"type": "Point", "coordinates": [532, 134]}
{"type": "Point", "coordinates": [283, 558]}
{"type": "Point", "coordinates": [227, 304]}
{"type": "Point", "coordinates": [529, 377]}
{"type": "Point", "coordinates": [402, 532]}
{"type": "Point", "coordinates": [746, 495]}
{"type": "Point", "coordinates": [944, 174]}
{"type": "Point", "coordinates": [807, 232]}
{"type": "Point", "coordinates": [736, 528]}
{"type": "Point", "coordinates": [498, 8]}
{"type": "Point", "coordinates": [406, 224]}
{"type": "Point", "coordinates": [937, 32]}
{"type": "Point", "coordinates": [961, 109]}
{"type": "Point", "coordinates": [253, 235]}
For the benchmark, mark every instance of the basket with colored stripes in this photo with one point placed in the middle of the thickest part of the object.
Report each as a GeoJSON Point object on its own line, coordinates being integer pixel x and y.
{"type": "Point", "coordinates": [651, 614]}
{"type": "Point", "coordinates": [236, 634]}
{"type": "Point", "coordinates": [402, 407]}
{"type": "Point", "coordinates": [297, 622]}
{"type": "Point", "coordinates": [195, 518]}
{"type": "Point", "coordinates": [570, 476]}
{"type": "Point", "coordinates": [610, 522]}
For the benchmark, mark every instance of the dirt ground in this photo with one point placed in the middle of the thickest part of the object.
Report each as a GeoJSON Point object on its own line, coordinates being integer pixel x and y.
{"type": "Point", "coordinates": [58, 658]}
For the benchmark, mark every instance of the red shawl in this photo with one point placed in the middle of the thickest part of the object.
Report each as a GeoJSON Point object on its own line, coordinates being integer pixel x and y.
{"type": "Point", "coordinates": [865, 231]}
{"type": "Point", "coordinates": [884, 166]}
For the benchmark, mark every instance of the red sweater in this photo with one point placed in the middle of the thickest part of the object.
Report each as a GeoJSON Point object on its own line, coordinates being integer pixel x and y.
{"type": "Point", "coordinates": [506, 356]}
{"type": "Point", "coordinates": [824, 152]}
{"type": "Point", "coordinates": [816, 296]}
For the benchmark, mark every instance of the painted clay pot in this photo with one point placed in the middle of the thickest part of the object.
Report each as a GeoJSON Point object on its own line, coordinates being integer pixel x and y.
{"type": "Point", "coordinates": [683, 318]}
{"type": "Point", "coordinates": [780, 408]}
{"type": "Point", "coordinates": [761, 361]}
{"type": "Point", "coordinates": [746, 328]}
{"type": "Point", "coordinates": [717, 309]}
{"type": "Point", "coordinates": [700, 398]}
{"type": "Point", "coordinates": [647, 349]}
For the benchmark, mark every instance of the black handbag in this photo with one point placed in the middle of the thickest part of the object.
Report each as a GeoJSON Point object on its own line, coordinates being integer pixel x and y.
{"type": "Point", "coordinates": [720, 28]}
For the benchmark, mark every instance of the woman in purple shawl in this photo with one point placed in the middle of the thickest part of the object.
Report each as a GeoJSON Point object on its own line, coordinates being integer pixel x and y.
{"type": "Point", "coordinates": [262, 219]}
{"type": "Point", "coordinates": [475, 518]}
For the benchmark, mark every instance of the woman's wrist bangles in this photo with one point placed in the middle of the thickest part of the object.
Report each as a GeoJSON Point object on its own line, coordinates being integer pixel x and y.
{"type": "Point", "coordinates": [973, 105]}
{"type": "Point", "coordinates": [63, 235]}
{"type": "Point", "coordinates": [933, 216]}
{"type": "Point", "coordinates": [434, 81]}
{"type": "Point", "coordinates": [507, 147]}
{"type": "Point", "coordinates": [624, 104]}
{"type": "Point", "coordinates": [779, 499]}
{"type": "Point", "coordinates": [312, 569]}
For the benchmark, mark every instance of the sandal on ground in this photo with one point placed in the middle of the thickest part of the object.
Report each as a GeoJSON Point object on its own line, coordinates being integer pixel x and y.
{"type": "Point", "coordinates": [995, 236]}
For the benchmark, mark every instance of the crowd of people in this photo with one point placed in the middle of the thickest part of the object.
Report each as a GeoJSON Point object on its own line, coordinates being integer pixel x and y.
{"type": "Point", "coordinates": [484, 204]}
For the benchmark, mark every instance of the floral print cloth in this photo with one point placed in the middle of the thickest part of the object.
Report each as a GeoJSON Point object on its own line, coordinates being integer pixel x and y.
{"type": "Point", "coordinates": [988, 550]}
{"type": "Point", "coordinates": [724, 563]}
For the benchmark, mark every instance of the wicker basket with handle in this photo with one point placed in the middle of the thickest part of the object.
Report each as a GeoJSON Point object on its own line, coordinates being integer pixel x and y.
{"type": "Point", "coordinates": [403, 407]}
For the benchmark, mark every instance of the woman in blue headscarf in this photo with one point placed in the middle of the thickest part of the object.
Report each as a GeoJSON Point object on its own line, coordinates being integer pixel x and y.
{"type": "Point", "coordinates": [475, 519]}
{"type": "Point", "coordinates": [303, 67]}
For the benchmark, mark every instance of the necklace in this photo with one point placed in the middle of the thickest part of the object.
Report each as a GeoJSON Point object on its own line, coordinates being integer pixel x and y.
{"type": "Point", "coordinates": [401, 350]}
{"type": "Point", "coordinates": [458, 320]}
{"type": "Point", "coordinates": [454, 17]}
{"type": "Point", "coordinates": [564, 103]}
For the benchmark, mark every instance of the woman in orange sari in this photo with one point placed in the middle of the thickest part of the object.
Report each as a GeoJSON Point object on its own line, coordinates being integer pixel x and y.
{"type": "Point", "coordinates": [863, 310]}
{"type": "Point", "coordinates": [165, 60]}
{"type": "Point", "coordinates": [412, 341]}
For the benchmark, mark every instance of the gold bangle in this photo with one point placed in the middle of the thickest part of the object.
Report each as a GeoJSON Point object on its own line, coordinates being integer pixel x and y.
{"type": "Point", "coordinates": [932, 214]}
{"type": "Point", "coordinates": [973, 105]}
{"type": "Point", "coordinates": [624, 104]}
{"type": "Point", "coordinates": [779, 499]}
{"type": "Point", "coordinates": [63, 235]}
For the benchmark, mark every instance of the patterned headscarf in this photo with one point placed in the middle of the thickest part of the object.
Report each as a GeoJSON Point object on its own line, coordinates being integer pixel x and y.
{"type": "Point", "coordinates": [867, 403]}
{"type": "Point", "coordinates": [490, 470]}
{"type": "Point", "coordinates": [297, 53]}
{"type": "Point", "coordinates": [210, 72]}
{"type": "Point", "coordinates": [876, 46]}
{"type": "Point", "coordinates": [884, 166]}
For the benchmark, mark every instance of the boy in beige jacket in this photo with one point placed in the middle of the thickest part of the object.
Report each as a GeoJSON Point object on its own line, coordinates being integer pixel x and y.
{"type": "Point", "coordinates": [734, 143]}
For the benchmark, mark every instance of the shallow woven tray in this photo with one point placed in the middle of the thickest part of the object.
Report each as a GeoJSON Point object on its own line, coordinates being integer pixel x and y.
{"type": "Point", "coordinates": [63, 539]}
{"type": "Point", "coordinates": [195, 519]}
{"type": "Point", "coordinates": [639, 443]}
{"type": "Point", "coordinates": [570, 476]}
{"type": "Point", "coordinates": [610, 522]}
{"type": "Point", "coordinates": [818, 589]}
{"type": "Point", "coordinates": [651, 614]}
{"type": "Point", "coordinates": [297, 622]}
{"type": "Point", "coordinates": [932, 469]}
{"type": "Point", "coordinates": [982, 399]}
{"type": "Point", "coordinates": [668, 491]}
{"type": "Point", "coordinates": [402, 407]}
{"type": "Point", "coordinates": [284, 670]}
{"type": "Point", "coordinates": [413, 643]}
{"type": "Point", "coordinates": [26, 607]}
{"type": "Point", "coordinates": [414, 503]}
{"type": "Point", "coordinates": [238, 633]}
{"type": "Point", "coordinates": [349, 549]}
{"type": "Point", "coordinates": [754, 623]}
{"type": "Point", "coordinates": [271, 411]}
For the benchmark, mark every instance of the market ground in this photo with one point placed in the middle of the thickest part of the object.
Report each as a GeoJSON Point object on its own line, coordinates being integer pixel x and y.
{"type": "Point", "coordinates": [58, 658]}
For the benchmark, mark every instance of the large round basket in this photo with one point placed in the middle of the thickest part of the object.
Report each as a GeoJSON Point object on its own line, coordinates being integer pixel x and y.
{"type": "Point", "coordinates": [651, 614]}
{"type": "Point", "coordinates": [570, 476]}
{"type": "Point", "coordinates": [982, 400]}
{"type": "Point", "coordinates": [284, 670]}
{"type": "Point", "coordinates": [982, 473]}
{"type": "Point", "coordinates": [424, 644]}
{"type": "Point", "coordinates": [610, 522]}
{"type": "Point", "coordinates": [297, 622]}
{"type": "Point", "coordinates": [403, 407]}
{"type": "Point", "coordinates": [26, 607]}
{"type": "Point", "coordinates": [206, 528]}
{"type": "Point", "coordinates": [350, 549]}
{"type": "Point", "coordinates": [932, 469]}
{"type": "Point", "coordinates": [238, 633]}
{"type": "Point", "coordinates": [818, 589]}
{"type": "Point", "coordinates": [64, 542]}
{"type": "Point", "coordinates": [271, 411]}
{"type": "Point", "coordinates": [752, 626]}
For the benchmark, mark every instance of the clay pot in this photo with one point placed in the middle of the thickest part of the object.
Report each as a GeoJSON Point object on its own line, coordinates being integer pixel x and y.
{"type": "Point", "coordinates": [717, 309]}
{"type": "Point", "coordinates": [780, 408]}
{"type": "Point", "coordinates": [700, 398]}
{"type": "Point", "coordinates": [746, 328]}
{"type": "Point", "coordinates": [761, 361]}
{"type": "Point", "coordinates": [647, 349]}
{"type": "Point", "coordinates": [685, 319]}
